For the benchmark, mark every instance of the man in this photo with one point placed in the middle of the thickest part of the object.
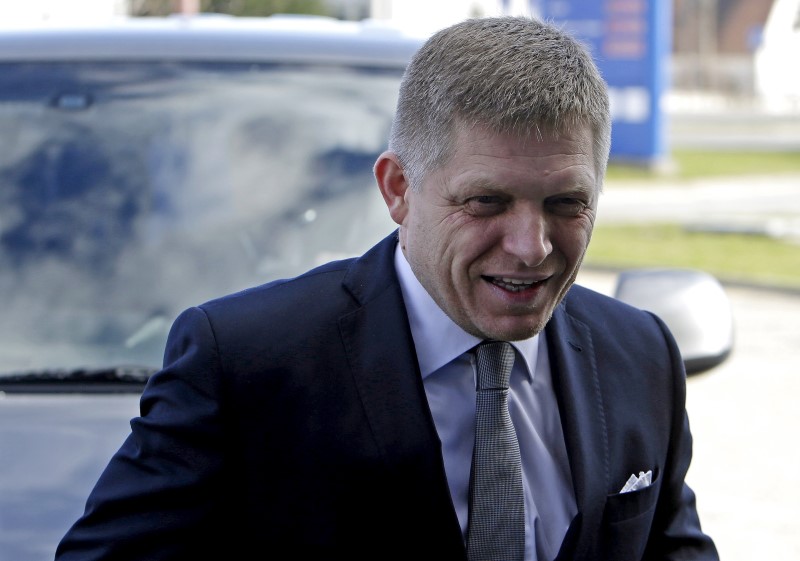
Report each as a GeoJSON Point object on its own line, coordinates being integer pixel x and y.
{"type": "Point", "coordinates": [333, 415]}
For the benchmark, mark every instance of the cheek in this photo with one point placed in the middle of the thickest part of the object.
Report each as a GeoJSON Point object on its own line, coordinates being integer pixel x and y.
{"type": "Point", "coordinates": [569, 245]}
{"type": "Point", "coordinates": [448, 242]}
{"type": "Point", "coordinates": [465, 241]}
{"type": "Point", "coordinates": [575, 235]}
{"type": "Point", "coordinates": [448, 258]}
{"type": "Point", "coordinates": [422, 245]}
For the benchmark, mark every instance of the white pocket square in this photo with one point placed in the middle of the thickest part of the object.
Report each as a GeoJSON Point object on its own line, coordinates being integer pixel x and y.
{"type": "Point", "coordinates": [635, 482]}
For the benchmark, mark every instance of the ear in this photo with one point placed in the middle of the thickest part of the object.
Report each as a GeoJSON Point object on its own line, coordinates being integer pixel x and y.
{"type": "Point", "coordinates": [393, 185]}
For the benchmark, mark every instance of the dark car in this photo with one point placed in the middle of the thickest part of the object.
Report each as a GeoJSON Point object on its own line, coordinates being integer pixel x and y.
{"type": "Point", "coordinates": [148, 166]}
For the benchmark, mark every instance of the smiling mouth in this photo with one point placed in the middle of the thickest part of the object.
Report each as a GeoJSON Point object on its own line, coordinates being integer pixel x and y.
{"type": "Point", "coordinates": [512, 285]}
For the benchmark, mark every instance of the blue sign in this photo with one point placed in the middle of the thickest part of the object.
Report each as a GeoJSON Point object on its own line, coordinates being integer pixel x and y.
{"type": "Point", "coordinates": [631, 42]}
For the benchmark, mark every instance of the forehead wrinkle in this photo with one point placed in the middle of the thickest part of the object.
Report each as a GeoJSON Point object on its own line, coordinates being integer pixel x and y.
{"type": "Point", "coordinates": [577, 169]}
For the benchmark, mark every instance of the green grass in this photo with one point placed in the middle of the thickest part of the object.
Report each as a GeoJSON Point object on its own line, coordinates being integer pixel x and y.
{"type": "Point", "coordinates": [730, 257]}
{"type": "Point", "coordinates": [693, 164]}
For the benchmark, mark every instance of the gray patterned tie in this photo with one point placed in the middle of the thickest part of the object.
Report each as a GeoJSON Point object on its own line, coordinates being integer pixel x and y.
{"type": "Point", "coordinates": [496, 530]}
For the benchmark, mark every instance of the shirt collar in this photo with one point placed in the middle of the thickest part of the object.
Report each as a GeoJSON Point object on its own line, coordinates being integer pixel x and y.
{"type": "Point", "coordinates": [437, 338]}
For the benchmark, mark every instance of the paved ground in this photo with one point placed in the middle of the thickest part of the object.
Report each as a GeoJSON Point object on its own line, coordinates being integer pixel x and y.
{"type": "Point", "coordinates": [746, 422]}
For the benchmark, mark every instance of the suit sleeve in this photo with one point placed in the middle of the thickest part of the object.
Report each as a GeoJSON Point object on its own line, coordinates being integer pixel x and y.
{"type": "Point", "coordinates": [156, 496]}
{"type": "Point", "coordinates": [677, 531]}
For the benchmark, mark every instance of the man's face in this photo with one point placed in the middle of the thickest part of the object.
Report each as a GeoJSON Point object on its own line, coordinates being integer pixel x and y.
{"type": "Point", "coordinates": [497, 234]}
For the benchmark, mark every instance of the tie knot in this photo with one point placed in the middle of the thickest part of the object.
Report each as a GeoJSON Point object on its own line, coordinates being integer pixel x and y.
{"type": "Point", "coordinates": [494, 362]}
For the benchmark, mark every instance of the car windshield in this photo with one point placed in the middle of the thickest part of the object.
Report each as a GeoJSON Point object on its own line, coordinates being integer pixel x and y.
{"type": "Point", "coordinates": [129, 191]}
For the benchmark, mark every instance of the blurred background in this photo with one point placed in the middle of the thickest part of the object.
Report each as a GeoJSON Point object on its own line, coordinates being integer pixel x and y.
{"type": "Point", "coordinates": [704, 174]}
{"type": "Point", "coordinates": [698, 73]}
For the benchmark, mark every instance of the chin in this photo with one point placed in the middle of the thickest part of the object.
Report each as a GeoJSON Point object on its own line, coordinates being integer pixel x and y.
{"type": "Point", "coordinates": [515, 332]}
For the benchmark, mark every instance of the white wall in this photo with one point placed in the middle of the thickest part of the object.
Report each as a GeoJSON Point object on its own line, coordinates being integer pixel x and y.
{"type": "Point", "coordinates": [777, 78]}
{"type": "Point", "coordinates": [429, 15]}
{"type": "Point", "coordinates": [36, 12]}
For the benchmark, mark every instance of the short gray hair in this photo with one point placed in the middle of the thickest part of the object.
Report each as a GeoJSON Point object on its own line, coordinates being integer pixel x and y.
{"type": "Point", "coordinates": [512, 74]}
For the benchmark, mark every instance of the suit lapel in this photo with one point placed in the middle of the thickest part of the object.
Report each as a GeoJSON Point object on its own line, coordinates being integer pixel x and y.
{"type": "Point", "coordinates": [380, 349]}
{"type": "Point", "coordinates": [381, 353]}
{"type": "Point", "coordinates": [577, 387]}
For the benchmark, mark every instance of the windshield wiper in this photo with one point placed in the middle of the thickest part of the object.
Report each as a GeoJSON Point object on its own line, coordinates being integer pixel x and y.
{"type": "Point", "coordinates": [114, 379]}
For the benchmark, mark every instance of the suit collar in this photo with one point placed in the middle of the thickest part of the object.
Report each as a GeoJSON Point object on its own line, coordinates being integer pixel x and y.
{"type": "Point", "coordinates": [372, 274]}
{"type": "Point", "coordinates": [378, 341]}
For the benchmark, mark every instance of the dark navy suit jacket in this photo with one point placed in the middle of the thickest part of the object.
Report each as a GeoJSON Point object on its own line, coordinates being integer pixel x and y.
{"type": "Point", "coordinates": [290, 422]}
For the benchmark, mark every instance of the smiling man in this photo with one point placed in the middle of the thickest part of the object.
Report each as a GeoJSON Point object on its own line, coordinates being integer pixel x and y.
{"type": "Point", "coordinates": [496, 234]}
{"type": "Point", "coordinates": [450, 394]}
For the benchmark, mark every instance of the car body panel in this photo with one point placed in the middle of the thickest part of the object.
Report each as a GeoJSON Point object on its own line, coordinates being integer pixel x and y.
{"type": "Point", "coordinates": [53, 448]}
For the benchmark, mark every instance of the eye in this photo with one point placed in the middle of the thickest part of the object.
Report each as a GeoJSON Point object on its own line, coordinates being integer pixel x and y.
{"type": "Point", "coordinates": [485, 205]}
{"type": "Point", "coordinates": [567, 206]}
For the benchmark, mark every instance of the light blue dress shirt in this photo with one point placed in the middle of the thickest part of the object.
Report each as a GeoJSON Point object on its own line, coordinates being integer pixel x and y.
{"type": "Point", "coordinates": [448, 374]}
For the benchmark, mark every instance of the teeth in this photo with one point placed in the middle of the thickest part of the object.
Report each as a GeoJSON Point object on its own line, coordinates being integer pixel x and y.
{"type": "Point", "coordinates": [515, 281]}
{"type": "Point", "coordinates": [513, 285]}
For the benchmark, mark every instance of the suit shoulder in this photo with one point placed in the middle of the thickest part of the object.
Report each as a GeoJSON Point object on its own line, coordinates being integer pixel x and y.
{"type": "Point", "coordinates": [318, 284]}
{"type": "Point", "coordinates": [636, 343]}
{"type": "Point", "coordinates": [595, 308]}
{"type": "Point", "coordinates": [579, 296]}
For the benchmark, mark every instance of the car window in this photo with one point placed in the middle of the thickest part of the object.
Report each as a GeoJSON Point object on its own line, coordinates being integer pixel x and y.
{"type": "Point", "coordinates": [131, 190]}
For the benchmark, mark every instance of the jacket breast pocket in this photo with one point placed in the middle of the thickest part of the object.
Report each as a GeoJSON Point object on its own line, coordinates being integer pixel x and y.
{"type": "Point", "coordinates": [625, 506]}
{"type": "Point", "coordinates": [627, 520]}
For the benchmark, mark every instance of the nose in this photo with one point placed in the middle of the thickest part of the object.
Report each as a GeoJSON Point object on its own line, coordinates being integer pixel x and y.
{"type": "Point", "coordinates": [527, 237]}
